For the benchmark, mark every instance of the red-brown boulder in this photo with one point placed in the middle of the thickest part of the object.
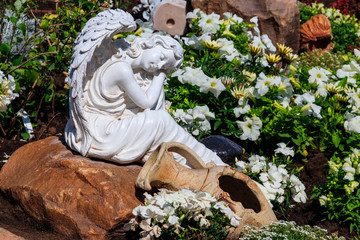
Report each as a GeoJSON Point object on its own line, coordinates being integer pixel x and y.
{"type": "Point", "coordinates": [279, 19]}
{"type": "Point", "coordinates": [76, 196]}
{"type": "Point", "coordinates": [5, 234]}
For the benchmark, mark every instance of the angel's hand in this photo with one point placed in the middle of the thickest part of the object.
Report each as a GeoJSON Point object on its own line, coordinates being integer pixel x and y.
{"type": "Point", "coordinates": [159, 76]}
{"type": "Point", "coordinates": [122, 75]}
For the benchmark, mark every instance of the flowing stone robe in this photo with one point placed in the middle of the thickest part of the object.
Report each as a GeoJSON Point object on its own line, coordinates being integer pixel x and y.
{"type": "Point", "coordinates": [123, 132]}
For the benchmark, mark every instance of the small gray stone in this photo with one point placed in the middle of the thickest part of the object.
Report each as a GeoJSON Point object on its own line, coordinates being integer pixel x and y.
{"type": "Point", "coordinates": [226, 149]}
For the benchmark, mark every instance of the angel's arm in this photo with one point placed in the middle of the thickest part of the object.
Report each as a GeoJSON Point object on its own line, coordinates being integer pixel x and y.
{"type": "Point", "coordinates": [122, 76]}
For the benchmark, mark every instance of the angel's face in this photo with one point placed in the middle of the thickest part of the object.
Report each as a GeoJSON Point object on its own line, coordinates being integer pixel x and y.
{"type": "Point", "coordinates": [157, 58]}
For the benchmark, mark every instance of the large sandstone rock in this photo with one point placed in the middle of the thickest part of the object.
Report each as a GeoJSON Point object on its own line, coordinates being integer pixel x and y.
{"type": "Point", "coordinates": [277, 18]}
{"type": "Point", "coordinates": [5, 234]}
{"type": "Point", "coordinates": [76, 196]}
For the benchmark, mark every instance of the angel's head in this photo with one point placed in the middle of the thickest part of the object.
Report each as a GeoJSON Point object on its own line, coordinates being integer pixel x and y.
{"type": "Point", "coordinates": [157, 53]}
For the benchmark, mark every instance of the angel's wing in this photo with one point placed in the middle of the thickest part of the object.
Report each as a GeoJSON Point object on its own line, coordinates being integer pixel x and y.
{"type": "Point", "coordinates": [98, 31]}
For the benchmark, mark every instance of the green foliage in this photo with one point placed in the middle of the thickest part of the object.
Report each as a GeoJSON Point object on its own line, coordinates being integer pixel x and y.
{"type": "Point", "coordinates": [346, 34]}
{"type": "Point", "coordinates": [325, 60]}
{"type": "Point", "coordinates": [343, 180]}
{"type": "Point", "coordinates": [39, 62]}
{"type": "Point", "coordinates": [306, 12]}
{"type": "Point", "coordinates": [279, 124]}
{"type": "Point", "coordinates": [287, 230]}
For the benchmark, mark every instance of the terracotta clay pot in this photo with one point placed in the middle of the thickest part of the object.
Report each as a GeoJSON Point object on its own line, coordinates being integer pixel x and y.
{"type": "Point", "coordinates": [227, 184]}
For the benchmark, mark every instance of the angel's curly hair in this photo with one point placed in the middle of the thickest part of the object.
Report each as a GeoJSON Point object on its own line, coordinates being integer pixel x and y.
{"type": "Point", "coordinates": [166, 42]}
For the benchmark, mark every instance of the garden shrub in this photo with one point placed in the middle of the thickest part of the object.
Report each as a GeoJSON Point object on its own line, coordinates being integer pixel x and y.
{"type": "Point", "coordinates": [326, 60]}
{"type": "Point", "coordinates": [287, 230]}
{"type": "Point", "coordinates": [343, 180]}
{"type": "Point", "coordinates": [36, 53]}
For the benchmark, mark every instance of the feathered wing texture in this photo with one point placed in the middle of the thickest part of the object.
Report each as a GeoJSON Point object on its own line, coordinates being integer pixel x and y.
{"type": "Point", "coordinates": [97, 31]}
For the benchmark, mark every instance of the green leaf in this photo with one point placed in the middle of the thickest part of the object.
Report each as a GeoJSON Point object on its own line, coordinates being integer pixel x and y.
{"type": "Point", "coordinates": [25, 136]}
{"type": "Point", "coordinates": [217, 124]}
{"type": "Point", "coordinates": [51, 66]}
{"type": "Point", "coordinates": [4, 66]}
{"type": "Point", "coordinates": [336, 140]}
{"type": "Point", "coordinates": [19, 39]}
{"type": "Point", "coordinates": [5, 48]}
{"type": "Point", "coordinates": [53, 37]}
{"type": "Point", "coordinates": [52, 49]}
{"type": "Point", "coordinates": [13, 19]}
{"type": "Point", "coordinates": [22, 27]}
{"type": "Point", "coordinates": [49, 93]}
{"type": "Point", "coordinates": [31, 75]}
{"type": "Point", "coordinates": [297, 141]}
{"type": "Point", "coordinates": [17, 60]}
{"type": "Point", "coordinates": [44, 24]}
{"type": "Point", "coordinates": [18, 4]}
{"type": "Point", "coordinates": [286, 135]}
{"type": "Point", "coordinates": [66, 34]}
{"type": "Point", "coordinates": [343, 82]}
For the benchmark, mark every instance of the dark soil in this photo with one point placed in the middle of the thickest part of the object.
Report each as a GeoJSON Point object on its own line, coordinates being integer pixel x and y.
{"type": "Point", "coordinates": [310, 213]}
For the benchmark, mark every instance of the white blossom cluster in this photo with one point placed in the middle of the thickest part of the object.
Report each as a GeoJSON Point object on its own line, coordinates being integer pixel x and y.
{"type": "Point", "coordinates": [275, 180]}
{"type": "Point", "coordinates": [327, 83]}
{"type": "Point", "coordinates": [259, 40]}
{"type": "Point", "coordinates": [210, 24]}
{"type": "Point", "coordinates": [351, 167]}
{"type": "Point", "coordinates": [250, 127]}
{"type": "Point", "coordinates": [352, 122]}
{"type": "Point", "coordinates": [160, 211]}
{"type": "Point", "coordinates": [306, 102]}
{"type": "Point", "coordinates": [286, 230]}
{"type": "Point", "coordinates": [197, 118]}
{"type": "Point", "coordinates": [224, 46]}
{"type": "Point", "coordinates": [7, 87]}
{"type": "Point", "coordinates": [259, 87]}
{"type": "Point", "coordinates": [321, 78]}
{"type": "Point", "coordinates": [196, 77]}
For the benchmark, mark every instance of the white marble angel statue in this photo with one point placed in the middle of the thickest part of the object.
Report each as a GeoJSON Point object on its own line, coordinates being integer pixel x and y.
{"type": "Point", "coordinates": [117, 104]}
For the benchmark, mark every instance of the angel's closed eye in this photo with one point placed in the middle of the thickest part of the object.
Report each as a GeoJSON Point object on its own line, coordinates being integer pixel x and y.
{"type": "Point", "coordinates": [162, 57]}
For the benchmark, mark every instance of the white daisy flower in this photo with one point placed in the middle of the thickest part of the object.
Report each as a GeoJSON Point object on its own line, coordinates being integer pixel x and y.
{"type": "Point", "coordinates": [353, 124]}
{"type": "Point", "coordinates": [318, 75]}
{"type": "Point", "coordinates": [306, 102]}
{"type": "Point", "coordinates": [213, 85]}
{"type": "Point", "coordinates": [210, 24]}
{"type": "Point", "coordinates": [283, 149]}
{"type": "Point", "coordinates": [250, 127]}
